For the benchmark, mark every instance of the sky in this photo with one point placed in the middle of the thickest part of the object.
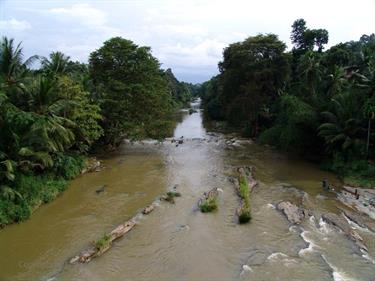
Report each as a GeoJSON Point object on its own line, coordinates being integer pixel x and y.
{"type": "Point", "coordinates": [187, 36]}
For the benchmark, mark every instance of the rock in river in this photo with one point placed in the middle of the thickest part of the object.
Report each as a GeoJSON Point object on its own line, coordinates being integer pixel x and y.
{"type": "Point", "coordinates": [293, 213]}
{"type": "Point", "coordinates": [148, 209]}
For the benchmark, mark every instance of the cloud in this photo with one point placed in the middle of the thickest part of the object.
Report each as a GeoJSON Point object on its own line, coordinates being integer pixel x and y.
{"type": "Point", "coordinates": [203, 54]}
{"type": "Point", "coordinates": [187, 36]}
{"type": "Point", "coordinates": [83, 13]}
{"type": "Point", "coordinates": [14, 25]}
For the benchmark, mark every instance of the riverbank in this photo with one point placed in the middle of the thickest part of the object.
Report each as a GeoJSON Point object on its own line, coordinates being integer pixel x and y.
{"type": "Point", "coordinates": [32, 190]}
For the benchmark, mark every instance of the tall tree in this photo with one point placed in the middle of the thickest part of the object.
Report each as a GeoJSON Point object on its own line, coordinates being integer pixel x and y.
{"type": "Point", "coordinates": [132, 91]}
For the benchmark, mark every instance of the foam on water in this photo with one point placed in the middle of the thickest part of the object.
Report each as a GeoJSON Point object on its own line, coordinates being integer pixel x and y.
{"type": "Point", "coordinates": [336, 274]}
{"type": "Point", "coordinates": [245, 268]}
{"type": "Point", "coordinates": [354, 225]}
{"type": "Point", "coordinates": [271, 206]}
{"type": "Point", "coordinates": [366, 256]}
{"type": "Point", "coordinates": [324, 227]}
{"type": "Point", "coordinates": [276, 255]}
{"type": "Point", "coordinates": [311, 246]}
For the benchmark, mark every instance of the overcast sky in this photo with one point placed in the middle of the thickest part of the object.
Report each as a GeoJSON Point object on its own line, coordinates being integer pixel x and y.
{"type": "Point", "coordinates": [187, 36]}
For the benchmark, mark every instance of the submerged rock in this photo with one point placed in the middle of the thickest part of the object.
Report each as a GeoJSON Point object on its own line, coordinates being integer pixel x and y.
{"type": "Point", "coordinates": [100, 189]}
{"type": "Point", "coordinates": [258, 257]}
{"type": "Point", "coordinates": [293, 213]}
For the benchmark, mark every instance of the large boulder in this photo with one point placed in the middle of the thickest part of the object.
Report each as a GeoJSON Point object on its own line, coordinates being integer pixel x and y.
{"type": "Point", "coordinates": [293, 213]}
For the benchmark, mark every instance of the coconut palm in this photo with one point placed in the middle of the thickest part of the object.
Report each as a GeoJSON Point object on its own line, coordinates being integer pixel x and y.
{"type": "Point", "coordinates": [12, 66]}
{"type": "Point", "coordinates": [57, 63]}
{"type": "Point", "coordinates": [310, 69]}
{"type": "Point", "coordinates": [336, 81]}
{"type": "Point", "coordinates": [342, 130]}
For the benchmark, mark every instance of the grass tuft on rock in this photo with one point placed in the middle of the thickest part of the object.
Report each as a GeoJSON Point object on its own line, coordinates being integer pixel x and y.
{"type": "Point", "coordinates": [103, 243]}
{"type": "Point", "coordinates": [244, 213]}
{"type": "Point", "coordinates": [244, 188]}
{"type": "Point", "coordinates": [209, 205]}
{"type": "Point", "coordinates": [173, 194]}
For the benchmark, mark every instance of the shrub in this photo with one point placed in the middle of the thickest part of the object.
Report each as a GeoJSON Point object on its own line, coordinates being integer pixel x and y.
{"type": "Point", "coordinates": [68, 166]}
{"type": "Point", "coordinates": [34, 190]}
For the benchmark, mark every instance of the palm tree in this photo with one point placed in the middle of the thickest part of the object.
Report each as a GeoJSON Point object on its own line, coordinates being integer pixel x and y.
{"type": "Point", "coordinates": [343, 127]}
{"type": "Point", "coordinates": [12, 66]}
{"type": "Point", "coordinates": [310, 70]}
{"type": "Point", "coordinates": [336, 81]}
{"type": "Point", "coordinates": [57, 63]}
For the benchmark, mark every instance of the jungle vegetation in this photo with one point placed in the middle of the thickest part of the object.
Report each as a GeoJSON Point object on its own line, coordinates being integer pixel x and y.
{"type": "Point", "coordinates": [311, 101]}
{"type": "Point", "coordinates": [54, 115]}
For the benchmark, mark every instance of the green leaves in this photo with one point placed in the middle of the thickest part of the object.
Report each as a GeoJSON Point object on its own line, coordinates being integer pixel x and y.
{"type": "Point", "coordinates": [38, 158]}
{"type": "Point", "coordinates": [343, 129]}
{"type": "Point", "coordinates": [132, 90]}
{"type": "Point", "coordinates": [7, 169]}
{"type": "Point", "coordinates": [253, 74]}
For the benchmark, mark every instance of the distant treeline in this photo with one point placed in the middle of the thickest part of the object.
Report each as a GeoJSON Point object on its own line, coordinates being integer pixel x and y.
{"type": "Point", "coordinates": [317, 103]}
{"type": "Point", "coordinates": [52, 116]}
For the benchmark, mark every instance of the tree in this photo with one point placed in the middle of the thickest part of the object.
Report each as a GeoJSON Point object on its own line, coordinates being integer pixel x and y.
{"type": "Point", "coordinates": [83, 112]}
{"type": "Point", "coordinates": [253, 75]}
{"type": "Point", "coordinates": [305, 39]}
{"type": "Point", "coordinates": [298, 35]}
{"type": "Point", "coordinates": [320, 38]}
{"type": "Point", "coordinates": [57, 63]}
{"type": "Point", "coordinates": [310, 71]}
{"type": "Point", "coordinates": [180, 92]}
{"type": "Point", "coordinates": [342, 129]}
{"type": "Point", "coordinates": [131, 90]}
{"type": "Point", "coordinates": [12, 66]}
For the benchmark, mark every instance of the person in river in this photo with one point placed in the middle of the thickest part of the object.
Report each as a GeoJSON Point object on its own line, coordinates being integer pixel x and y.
{"type": "Point", "coordinates": [326, 186]}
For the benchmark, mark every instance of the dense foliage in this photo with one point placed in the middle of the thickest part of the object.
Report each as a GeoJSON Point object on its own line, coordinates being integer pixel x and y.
{"type": "Point", "coordinates": [52, 116]}
{"type": "Point", "coordinates": [317, 103]}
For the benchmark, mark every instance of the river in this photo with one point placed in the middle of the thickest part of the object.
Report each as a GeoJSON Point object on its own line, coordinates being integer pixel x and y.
{"type": "Point", "coordinates": [177, 242]}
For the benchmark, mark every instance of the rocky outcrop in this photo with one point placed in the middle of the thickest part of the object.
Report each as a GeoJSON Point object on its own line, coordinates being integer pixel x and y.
{"type": "Point", "coordinates": [244, 184]}
{"type": "Point", "coordinates": [170, 195]}
{"type": "Point", "coordinates": [95, 250]}
{"type": "Point", "coordinates": [340, 223]}
{"type": "Point", "coordinates": [148, 209]}
{"type": "Point", "coordinates": [361, 220]}
{"type": "Point", "coordinates": [233, 142]}
{"type": "Point", "coordinates": [360, 199]}
{"type": "Point", "coordinates": [293, 213]}
{"type": "Point", "coordinates": [92, 165]}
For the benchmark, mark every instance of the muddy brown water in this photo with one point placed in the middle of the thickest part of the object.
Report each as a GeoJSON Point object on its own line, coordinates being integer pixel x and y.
{"type": "Point", "coordinates": [177, 242]}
